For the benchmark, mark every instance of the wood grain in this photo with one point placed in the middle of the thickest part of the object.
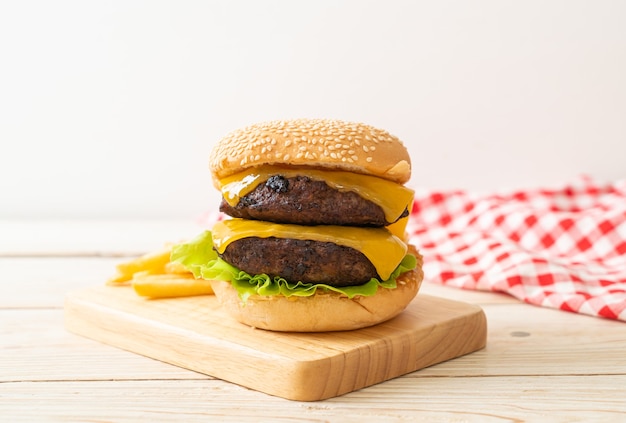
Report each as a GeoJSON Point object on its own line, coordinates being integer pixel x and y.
{"type": "Point", "coordinates": [193, 333]}
{"type": "Point", "coordinates": [539, 364]}
{"type": "Point", "coordinates": [88, 238]}
{"type": "Point", "coordinates": [431, 399]}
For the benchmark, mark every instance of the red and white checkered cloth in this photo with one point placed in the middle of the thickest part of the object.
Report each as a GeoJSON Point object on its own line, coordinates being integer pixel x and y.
{"type": "Point", "coordinates": [563, 248]}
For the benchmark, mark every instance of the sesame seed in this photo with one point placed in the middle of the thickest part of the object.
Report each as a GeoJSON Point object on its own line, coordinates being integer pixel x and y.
{"type": "Point", "coordinates": [323, 139]}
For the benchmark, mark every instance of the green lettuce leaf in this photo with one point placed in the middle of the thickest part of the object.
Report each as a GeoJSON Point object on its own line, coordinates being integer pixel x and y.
{"type": "Point", "coordinates": [199, 257]}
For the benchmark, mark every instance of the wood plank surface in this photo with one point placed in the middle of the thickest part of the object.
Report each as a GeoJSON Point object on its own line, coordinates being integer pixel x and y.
{"type": "Point", "coordinates": [429, 399]}
{"type": "Point", "coordinates": [195, 334]}
{"type": "Point", "coordinates": [522, 341]}
{"type": "Point", "coordinates": [539, 364]}
{"type": "Point", "coordinates": [85, 238]}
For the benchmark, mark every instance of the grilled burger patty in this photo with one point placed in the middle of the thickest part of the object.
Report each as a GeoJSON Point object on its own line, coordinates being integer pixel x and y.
{"type": "Point", "coordinates": [301, 260]}
{"type": "Point", "coordinates": [304, 201]}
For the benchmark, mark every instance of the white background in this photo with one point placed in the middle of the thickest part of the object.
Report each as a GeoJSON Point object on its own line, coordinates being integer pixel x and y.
{"type": "Point", "coordinates": [110, 108]}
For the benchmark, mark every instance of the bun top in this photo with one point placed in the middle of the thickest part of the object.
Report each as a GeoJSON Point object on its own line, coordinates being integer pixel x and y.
{"type": "Point", "coordinates": [319, 143]}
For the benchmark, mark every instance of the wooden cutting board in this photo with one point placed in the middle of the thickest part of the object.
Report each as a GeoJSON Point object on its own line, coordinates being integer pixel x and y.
{"type": "Point", "coordinates": [194, 333]}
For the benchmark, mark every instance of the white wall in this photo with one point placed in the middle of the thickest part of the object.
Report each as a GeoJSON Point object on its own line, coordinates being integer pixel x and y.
{"type": "Point", "coordinates": [109, 109]}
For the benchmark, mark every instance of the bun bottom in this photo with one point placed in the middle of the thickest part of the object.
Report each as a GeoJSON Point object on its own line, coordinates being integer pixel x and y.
{"type": "Point", "coordinates": [321, 312]}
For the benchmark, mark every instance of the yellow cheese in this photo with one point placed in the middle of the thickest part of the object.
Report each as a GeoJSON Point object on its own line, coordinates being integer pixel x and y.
{"type": "Point", "coordinates": [383, 249]}
{"type": "Point", "coordinates": [398, 228]}
{"type": "Point", "coordinates": [391, 197]}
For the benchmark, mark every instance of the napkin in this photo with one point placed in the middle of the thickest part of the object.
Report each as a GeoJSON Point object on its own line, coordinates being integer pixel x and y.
{"type": "Point", "coordinates": [563, 247]}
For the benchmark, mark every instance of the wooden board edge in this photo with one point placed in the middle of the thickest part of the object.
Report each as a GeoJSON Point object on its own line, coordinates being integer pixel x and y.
{"type": "Point", "coordinates": [415, 359]}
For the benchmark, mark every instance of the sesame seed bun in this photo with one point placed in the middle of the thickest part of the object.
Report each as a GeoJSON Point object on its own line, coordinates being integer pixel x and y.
{"type": "Point", "coordinates": [320, 143]}
{"type": "Point", "coordinates": [323, 311]}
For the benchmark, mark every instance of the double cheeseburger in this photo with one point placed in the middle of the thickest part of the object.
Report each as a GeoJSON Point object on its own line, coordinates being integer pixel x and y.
{"type": "Point", "coordinates": [315, 234]}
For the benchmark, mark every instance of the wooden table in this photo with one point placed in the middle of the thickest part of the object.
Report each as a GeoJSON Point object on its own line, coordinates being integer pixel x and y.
{"type": "Point", "coordinates": [539, 364]}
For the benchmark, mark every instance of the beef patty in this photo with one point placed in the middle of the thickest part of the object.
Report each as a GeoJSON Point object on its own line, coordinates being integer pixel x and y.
{"type": "Point", "coordinates": [304, 201]}
{"type": "Point", "coordinates": [301, 260]}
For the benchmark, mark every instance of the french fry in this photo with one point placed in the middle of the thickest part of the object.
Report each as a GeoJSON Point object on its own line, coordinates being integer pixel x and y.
{"type": "Point", "coordinates": [153, 275]}
{"type": "Point", "coordinates": [175, 268]}
{"type": "Point", "coordinates": [169, 285]}
{"type": "Point", "coordinates": [154, 263]}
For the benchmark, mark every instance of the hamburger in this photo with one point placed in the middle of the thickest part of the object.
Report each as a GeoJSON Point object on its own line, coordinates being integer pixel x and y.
{"type": "Point", "coordinates": [313, 237]}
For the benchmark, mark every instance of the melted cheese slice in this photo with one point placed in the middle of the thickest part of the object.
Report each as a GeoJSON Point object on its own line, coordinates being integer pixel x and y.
{"type": "Point", "coordinates": [391, 197]}
{"type": "Point", "coordinates": [398, 228]}
{"type": "Point", "coordinates": [382, 248]}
